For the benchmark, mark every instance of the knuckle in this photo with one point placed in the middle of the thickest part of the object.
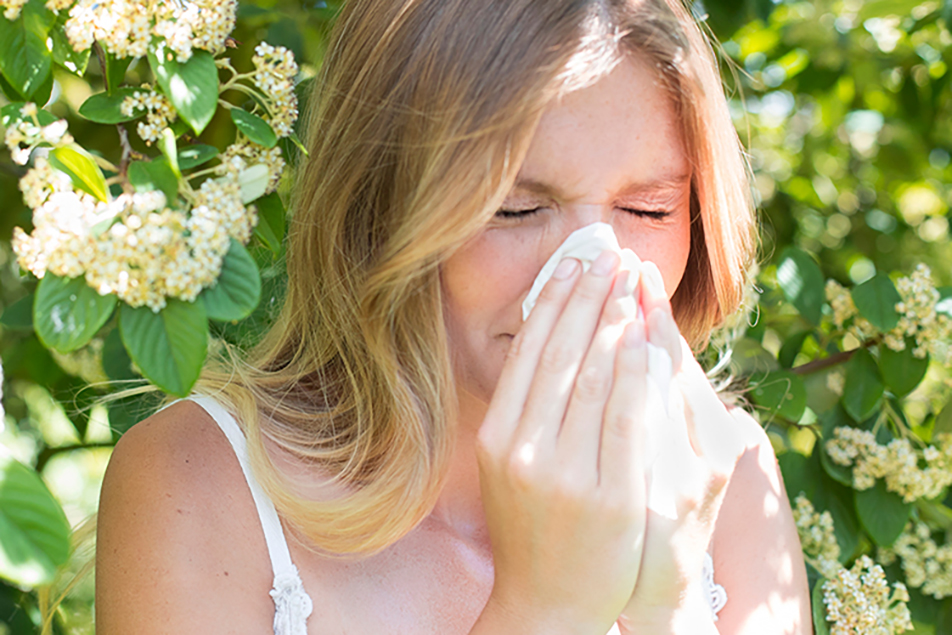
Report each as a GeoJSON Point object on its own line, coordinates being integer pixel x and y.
{"type": "Point", "coordinates": [617, 506]}
{"type": "Point", "coordinates": [556, 357]}
{"type": "Point", "coordinates": [521, 344]}
{"type": "Point", "coordinates": [592, 386]}
{"type": "Point", "coordinates": [620, 425]}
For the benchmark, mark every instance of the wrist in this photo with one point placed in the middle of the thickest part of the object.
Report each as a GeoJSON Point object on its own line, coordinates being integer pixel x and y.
{"type": "Point", "coordinates": [500, 616]}
{"type": "Point", "coordinates": [692, 616]}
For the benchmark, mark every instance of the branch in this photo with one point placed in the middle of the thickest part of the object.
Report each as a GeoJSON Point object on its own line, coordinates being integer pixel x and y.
{"type": "Point", "coordinates": [48, 453]}
{"type": "Point", "coordinates": [839, 358]}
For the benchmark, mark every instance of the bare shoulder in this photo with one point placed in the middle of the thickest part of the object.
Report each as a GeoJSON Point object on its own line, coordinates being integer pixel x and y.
{"type": "Point", "coordinates": [757, 556]}
{"type": "Point", "coordinates": [179, 545]}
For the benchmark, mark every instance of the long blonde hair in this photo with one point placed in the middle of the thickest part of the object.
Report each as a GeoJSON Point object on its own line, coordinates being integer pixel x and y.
{"type": "Point", "coordinates": [419, 122]}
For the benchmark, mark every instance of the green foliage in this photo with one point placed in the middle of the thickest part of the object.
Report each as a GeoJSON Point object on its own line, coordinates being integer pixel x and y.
{"type": "Point", "coordinates": [169, 346]}
{"type": "Point", "coordinates": [34, 533]}
{"type": "Point", "coordinates": [847, 116]}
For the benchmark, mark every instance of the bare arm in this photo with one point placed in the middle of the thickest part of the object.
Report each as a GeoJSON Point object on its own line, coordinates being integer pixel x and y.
{"type": "Point", "coordinates": [179, 549]}
{"type": "Point", "coordinates": [757, 556]}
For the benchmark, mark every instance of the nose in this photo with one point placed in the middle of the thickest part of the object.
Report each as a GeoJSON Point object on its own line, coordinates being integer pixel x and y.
{"type": "Point", "coordinates": [573, 218]}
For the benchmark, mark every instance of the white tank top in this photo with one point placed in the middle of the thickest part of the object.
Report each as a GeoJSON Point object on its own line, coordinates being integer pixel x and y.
{"type": "Point", "coordinates": [292, 604]}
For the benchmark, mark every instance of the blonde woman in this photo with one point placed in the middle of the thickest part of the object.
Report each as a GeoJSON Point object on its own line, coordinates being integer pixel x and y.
{"type": "Point", "coordinates": [401, 453]}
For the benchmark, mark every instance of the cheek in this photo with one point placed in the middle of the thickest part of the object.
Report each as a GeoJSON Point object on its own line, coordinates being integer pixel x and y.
{"type": "Point", "coordinates": [481, 282]}
{"type": "Point", "coordinates": [667, 247]}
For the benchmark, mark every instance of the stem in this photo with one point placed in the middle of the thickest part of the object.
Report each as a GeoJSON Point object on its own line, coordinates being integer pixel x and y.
{"type": "Point", "coordinates": [126, 150]}
{"type": "Point", "coordinates": [839, 358]}
{"type": "Point", "coordinates": [48, 453]}
{"type": "Point", "coordinates": [104, 163]}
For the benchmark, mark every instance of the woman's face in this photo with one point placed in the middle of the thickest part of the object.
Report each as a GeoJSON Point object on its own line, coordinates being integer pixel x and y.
{"type": "Point", "coordinates": [611, 152]}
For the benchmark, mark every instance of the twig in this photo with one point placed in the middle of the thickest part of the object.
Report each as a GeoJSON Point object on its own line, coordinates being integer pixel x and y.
{"type": "Point", "coordinates": [48, 453]}
{"type": "Point", "coordinates": [839, 358]}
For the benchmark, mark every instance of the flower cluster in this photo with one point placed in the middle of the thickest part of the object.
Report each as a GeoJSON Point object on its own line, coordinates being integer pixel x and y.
{"type": "Point", "coordinates": [134, 246]}
{"type": "Point", "coordinates": [126, 27]}
{"type": "Point", "coordinates": [25, 134]}
{"type": "Point", "coordinates": [841, 302]}
{"type": "Point", "coordinates": [274, 74]}
{"type": "Point", "coordinates": [12, 8]}
{"type": "Point", "coordinates": [240, 156]}
{"type": "Point", "coordinates": [898, 462]}
{"type": "Point", "coordinates": [159, 112]}
{"type": "Point", "coordinates": [858, 601]}
{"type": "Point", "coordinates": [816, 537]}
{"type": "Point", "coordinates": [919, 320]}
{"type": "Point", "coordinates": [927, 566]}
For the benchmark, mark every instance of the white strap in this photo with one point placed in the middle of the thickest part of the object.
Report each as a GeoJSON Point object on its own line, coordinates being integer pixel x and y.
{"type": "Point", "coordinates": [273, 533]}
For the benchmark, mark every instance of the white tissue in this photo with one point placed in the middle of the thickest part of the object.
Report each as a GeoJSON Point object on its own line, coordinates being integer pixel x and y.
{"type": "Point", "coordinates": [585, 245]}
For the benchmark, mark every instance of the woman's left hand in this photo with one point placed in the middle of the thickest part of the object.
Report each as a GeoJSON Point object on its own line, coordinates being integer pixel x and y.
{"type": "Point", "coordinates": [693, 471]}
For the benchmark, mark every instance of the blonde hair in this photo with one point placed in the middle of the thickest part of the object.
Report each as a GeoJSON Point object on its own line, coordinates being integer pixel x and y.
{"type": "Point", "coordinates": [421, 118]}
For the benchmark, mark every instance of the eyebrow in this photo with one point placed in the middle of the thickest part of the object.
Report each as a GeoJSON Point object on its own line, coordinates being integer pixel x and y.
{"type": "Point", "coordinates": [664, 183]}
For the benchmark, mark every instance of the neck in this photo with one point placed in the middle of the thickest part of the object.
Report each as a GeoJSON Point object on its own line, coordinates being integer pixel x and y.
{"type": "Point", "coordinates": [460, 505]}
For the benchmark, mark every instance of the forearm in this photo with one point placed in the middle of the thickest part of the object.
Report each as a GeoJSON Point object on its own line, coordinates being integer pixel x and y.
{"type": "Point", "coordinates": [501, 618]}
{"type": "Point", "coordinates": [694, 617]}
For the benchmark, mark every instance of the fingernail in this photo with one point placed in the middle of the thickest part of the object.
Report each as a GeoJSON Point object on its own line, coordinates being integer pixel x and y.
{"type": "Point", "coordinates": [566, 268]}
{"type": "Point", "coordinates": [635, 334]}
{"type": "Point", "coordinates": [605, 263]}
{"type": "Point", "coordinates": [653, 280]}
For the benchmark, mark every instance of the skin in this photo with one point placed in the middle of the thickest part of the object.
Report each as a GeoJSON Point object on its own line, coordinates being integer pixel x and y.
{"type": "Point", "coordinates": [180, 548]}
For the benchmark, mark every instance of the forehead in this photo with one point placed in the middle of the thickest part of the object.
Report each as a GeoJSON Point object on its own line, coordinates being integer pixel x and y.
{"type": "Point", "coordinates": [622, 130]}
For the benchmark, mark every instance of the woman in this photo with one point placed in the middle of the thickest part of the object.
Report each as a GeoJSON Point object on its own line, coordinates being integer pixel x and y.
{"type": "Point", "coordinates": [438, 466]}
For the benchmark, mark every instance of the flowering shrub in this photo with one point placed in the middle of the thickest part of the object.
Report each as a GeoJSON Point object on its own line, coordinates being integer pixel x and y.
{"type": "Point", "coordinates": [142, 251]}
{"type": "Point", "coordinates": [851, 383]}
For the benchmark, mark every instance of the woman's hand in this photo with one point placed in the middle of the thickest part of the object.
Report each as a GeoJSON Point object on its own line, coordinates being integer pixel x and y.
{"type": "Point", "coordinates": [701, 450]}
{"type": "Point", "coordinates": [561, 458]}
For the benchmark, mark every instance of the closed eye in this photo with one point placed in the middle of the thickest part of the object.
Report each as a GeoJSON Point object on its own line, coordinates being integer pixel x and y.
{"type": "Point", "coordinates": [654, 214]}
{"type": "Point", "coordinates": [517, 213]}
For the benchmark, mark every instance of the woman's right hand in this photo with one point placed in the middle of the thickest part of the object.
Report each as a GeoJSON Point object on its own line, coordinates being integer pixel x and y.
{"type": "Point", "coordinates": [561, 457]}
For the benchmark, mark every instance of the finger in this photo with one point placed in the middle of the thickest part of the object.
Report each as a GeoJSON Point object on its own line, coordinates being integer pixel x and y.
{"type": "Point", "coordinates": [512, 388]}
{"type": "Point", "coordinates": [579, 438]}
{"type": "Point", "coordinates": [621, 465]}
{"type": "Point", "coordinates": [663, 333]}
{"type": "Point", "coordinates": [653, 294]}
{"type": "Point", "coordinates": [562, 354]}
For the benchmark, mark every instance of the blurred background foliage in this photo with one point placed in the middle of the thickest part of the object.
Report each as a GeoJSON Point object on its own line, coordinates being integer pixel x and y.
{"type": "Point", "coordinates": [845, 107]}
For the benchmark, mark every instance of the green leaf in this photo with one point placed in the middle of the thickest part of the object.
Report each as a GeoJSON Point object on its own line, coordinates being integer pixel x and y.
{"type": "Point", "coordinates": [863, 388]}
{"type": "Point", "coordinates": [883, 513]}
{"type": "Point", "coordinates": [63, 53]}
{"type": "Point", "coordinates": [271, 220]}
{"type": "Point", "coordinates": [19, 315]}
{"type": "Point", "coordinates": [34, 532]}
{"type": "Point", "coordinates": [300, 144]}
{"type": "Point", "coordinates": [802, 283]}
{"type": "Point", "coordinates": [238, 290]}
{"type": "Point", "coordinates": [107, 108]}
{"type": "Point", "coordinates": [791, 348]}
{"type": "Point", "coordinates": [876, 301]}
{"type": "Point", "coordinates": [195, 155]}
{"type": "Point", "coordinates": [115, 71]}
{"type": "Point", "coordinates": [156, 174]}
{"type": "Point", "coordinates": [115, 360]}
{"type": "Point", "coordinates": [781, 392]}
{"type": "Point", "coordinates": [820, 625]}
{"type": "Point", "coordinates": [943, 421]}
{"type": "Point", "coordinates": [169, 347]}
{"type": "Point", "coordinates": [67, 312]}
{"type": "Point", "coordinates": [169, 150]}
{"type": "Point", "coordinates": [80, 167]}
{"type": "Point", "coordinates": [902, 370]}
{"type": "Point", "coordinates": [25, 58]}
{"type": "Point", "coordinates": [254, 127]}
{"type": "Point", "coordinates": [10, 115]}
{"type": "Point", "coordinates": [192, 87]}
